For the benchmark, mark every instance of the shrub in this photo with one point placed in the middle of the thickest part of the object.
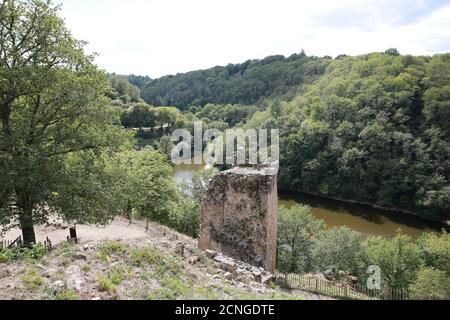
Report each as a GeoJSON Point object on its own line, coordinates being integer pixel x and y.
{"type": "Point", "coordinates": [296, 230]}
{"type": "Point", "coordinates": [399, 259]}
{"type": "Point", "coordinates": [68, 295]}
{"type": "Point", "coordinates": [338, 248]}
{"type": "Point", "coordinates": [105, 284]}
{"type": "Point", "coordinates": [35, 253]}
{"type": "Point", "coordinates": [436, 250]}
{"type": "Point", "coordinates": [105, 250]}
{"type": "Point", "coordinates": [431, 284]}
{"type": "Point", "coordinates": [32, 279]}
{"type": "Point", "coordinates": [144, 256]}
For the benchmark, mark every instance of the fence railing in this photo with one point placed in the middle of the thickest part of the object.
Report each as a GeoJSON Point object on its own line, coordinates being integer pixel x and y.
{"type": "Point", "coordinates": [8, 244]}
{"type": "Point", "coordinates": [340, 290]}
{"type": "Point", "coordinates": [18, 243]}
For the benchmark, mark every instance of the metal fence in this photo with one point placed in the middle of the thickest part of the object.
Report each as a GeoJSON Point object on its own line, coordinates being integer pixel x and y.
{"type": "Point", "coordinates": [339, 290]}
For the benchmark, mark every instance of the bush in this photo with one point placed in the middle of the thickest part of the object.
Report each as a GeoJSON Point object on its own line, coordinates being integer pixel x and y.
{"type": "Point", "coordinates": [105, 284]}
{"type": "Point", "coordinates": [296, 230]}
{"type": "Point", "coordinates": [431, 284]}
{"type": "Point", "coordinates": [338, 248]}
{"type": "Point", "coordinates": [436, 250]}
{"type": "Point", "coordinates": [68, 295]}
{"type": "Point", "coordinates": [32, 279]}
{"type": "Point", "coordinates": [35, 253]}
{"type": "Point", "coordinates": [399, 259]}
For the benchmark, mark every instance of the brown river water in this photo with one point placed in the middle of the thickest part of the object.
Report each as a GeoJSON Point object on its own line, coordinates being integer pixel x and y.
{"type": "Point", "coordinates": [364, 219]}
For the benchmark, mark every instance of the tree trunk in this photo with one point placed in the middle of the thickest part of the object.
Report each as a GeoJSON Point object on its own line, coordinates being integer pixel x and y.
{"type": "Point", "coordinates": [26, 224]}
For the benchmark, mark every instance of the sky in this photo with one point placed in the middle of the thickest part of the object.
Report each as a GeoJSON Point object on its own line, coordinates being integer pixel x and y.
{"type": "Point", "coordinates": [162, 37]}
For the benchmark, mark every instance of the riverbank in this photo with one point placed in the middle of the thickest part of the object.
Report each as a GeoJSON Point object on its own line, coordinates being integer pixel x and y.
{"type": "Point", "coordinates": [442, 222]}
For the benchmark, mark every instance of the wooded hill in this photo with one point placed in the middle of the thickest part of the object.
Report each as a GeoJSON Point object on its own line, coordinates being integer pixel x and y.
{"type": "Point", "coordinates": [373, 128]}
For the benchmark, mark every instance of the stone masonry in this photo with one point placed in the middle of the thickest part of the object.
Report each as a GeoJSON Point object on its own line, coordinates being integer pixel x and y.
{"type": "Point", "coordinates": [239, 215]}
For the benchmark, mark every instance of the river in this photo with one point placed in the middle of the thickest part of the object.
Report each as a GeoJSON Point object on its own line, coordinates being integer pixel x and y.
{"type": "Point", "coordinates": [366, 220]}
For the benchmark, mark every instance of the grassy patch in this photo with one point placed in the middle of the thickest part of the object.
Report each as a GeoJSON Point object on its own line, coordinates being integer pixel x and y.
{"type": "Point", "coordinates": [144, 256]}
{"type": "Point", "coordinates": [86, 268]}
{"type": "Point", "coordinates": [32, 279]}
{"type": "Point", "coordinates": [118, 273]}
{"type": "Point", "coordinates": [65, 250]}
{"type": "Point", "coordinates": [68, 295]}
{"type": "Point", "coordinates": [107, 249]}
{"type": "Point", "coordinates": [105, 284]}
{"type": "Point", "coordinates": [35, 253]}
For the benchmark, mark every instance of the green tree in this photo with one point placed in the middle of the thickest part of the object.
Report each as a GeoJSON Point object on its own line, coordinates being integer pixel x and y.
{"type": "Point", "coordinates": [399, 259]}
{"type": "Point", "coordinates": [297, 228]}
{"type": "Point", "coordinates": [52, 106]}
{"type": "Point", "coordinates": [193, 194]}
{"type": "Point", "coordinates": [158, 197]}
{"type": "Point", "coordinates": [338, 248]}
{"type": "Point", "coordinates": [165, 146]}
{"type": "Point", "coordinates": [435, 250]}
{"type": "Point", "coordinates": [431, 284]}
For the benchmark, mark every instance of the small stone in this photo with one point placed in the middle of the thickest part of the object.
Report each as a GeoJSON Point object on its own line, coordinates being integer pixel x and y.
{"type": "Point", "coordinates": [257, 276]}
{"type": "Point", "coordinates": [86, 247]}
{"type": "Point", "coordinates": [211, 254]}
{"type": "Point", "coordinates": [193, 260]}
{"type": "Point", "coordinates": [226, 264]}
{"type": "Point", "coordinates": [179, 249]}
{"type": "Point", "coordinates": [57, 286]}
{"type": "Point", "coordinates": [96, 299]}
{"type": "Point", "coordinates": [79, 257]}
{"type": "Point", "coordinates": [228, 275]}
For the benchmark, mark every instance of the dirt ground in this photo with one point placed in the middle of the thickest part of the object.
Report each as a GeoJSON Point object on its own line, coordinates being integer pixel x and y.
{"type": "Point", "coordinates": [119, 229]}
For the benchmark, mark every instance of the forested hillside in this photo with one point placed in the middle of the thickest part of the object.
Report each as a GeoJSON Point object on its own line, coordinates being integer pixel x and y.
{"type": "Point", "coordinates": [374, 128]}
{"type": "Point", "coordinates": [247, 83]}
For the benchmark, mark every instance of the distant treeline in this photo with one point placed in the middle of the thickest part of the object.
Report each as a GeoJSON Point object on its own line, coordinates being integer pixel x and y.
{"type": "Point", "coordinates": [248, 83]}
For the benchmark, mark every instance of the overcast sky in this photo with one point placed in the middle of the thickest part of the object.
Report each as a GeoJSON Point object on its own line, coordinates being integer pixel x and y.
{"type": "Point", "coordinates": [160, 37]}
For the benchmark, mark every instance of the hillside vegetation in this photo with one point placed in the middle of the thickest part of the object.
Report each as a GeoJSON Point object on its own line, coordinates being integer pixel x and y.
{"type": "Point", "coordinates": [161, 266]}
{"type": "Point", "coordinates": [372, 128]}
{"type": "Point", "coordinates": [247, 83]}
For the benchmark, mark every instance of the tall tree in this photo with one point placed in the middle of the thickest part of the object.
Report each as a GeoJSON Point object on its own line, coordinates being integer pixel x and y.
{"type": "Point", "coordinates": [52, 109]}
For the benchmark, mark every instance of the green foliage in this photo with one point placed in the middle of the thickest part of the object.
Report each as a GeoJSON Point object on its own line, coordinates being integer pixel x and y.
{"type": "Point", "coordinates": [124, 89]}
{"type": "Point", "coordinates": [373, 129]}
{"type": "Point", "coordinates": [340, 249]}
{"type": "Point", "coordinates": [105, 284]}
{"type": "Point", "coordinates": [67, 295]}
{"type": "Point", "coordinates": [431, 284]}
{"type": "Point", "coordinates": [55, 108]}
{"type": "Point", "coordinates": [32, 279]}
{"type": "Point", "coordinates": [249, 83]}
{"type": "Point", "coordinates": [399, 259]}
{"type": "Point", "coordinates": [191, 201]}
{"type": "Point", "coordinates": [107, 249]}
{"type": "Point", "coordinates": [35, 253]}
{"type": "Point", "coordinates": [163, 119]}
{"type": "Point", "coordinates": [229, 114]}
{"type": "Point", "coordinates": [436, 250]}
{"type": "Point", "coordinates": [296, 231]}
{"type": "Point", "coordinates": [143, 256]}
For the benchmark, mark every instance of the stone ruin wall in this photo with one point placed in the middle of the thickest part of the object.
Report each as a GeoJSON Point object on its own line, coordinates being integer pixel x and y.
{"type": "Point", "coordinates": [239, 216]}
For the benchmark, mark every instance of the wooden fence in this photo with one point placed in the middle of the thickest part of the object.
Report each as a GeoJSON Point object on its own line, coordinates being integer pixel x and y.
{"type": "Point", "coordinates": [340, 290]}
{"type": "Point", "coordinates": [18, 243]}
{"type": "Point", "coordinates": [8, 244]}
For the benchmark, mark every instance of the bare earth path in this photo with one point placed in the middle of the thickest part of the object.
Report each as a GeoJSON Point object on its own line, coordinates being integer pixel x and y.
{"type": "Point", "coordinates": [119, 229]}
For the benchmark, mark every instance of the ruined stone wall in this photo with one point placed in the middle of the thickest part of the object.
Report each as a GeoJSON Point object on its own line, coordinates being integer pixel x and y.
{"type": "Point", "coordinates": [239, 216]}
